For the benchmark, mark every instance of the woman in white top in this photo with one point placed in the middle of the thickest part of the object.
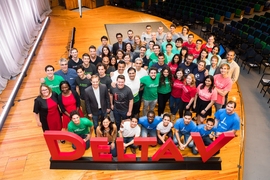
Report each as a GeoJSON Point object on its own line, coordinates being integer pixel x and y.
{"type": "Point", "coordinates": [184, 34]}
{"type": "Point", "coordinates": [164, 129]}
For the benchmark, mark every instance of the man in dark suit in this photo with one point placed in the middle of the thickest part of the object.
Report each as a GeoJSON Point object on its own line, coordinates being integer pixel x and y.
{"type": "Point", "coordinates": [119, 44]}
{"type": "Point", "coordinates": [97, 100]}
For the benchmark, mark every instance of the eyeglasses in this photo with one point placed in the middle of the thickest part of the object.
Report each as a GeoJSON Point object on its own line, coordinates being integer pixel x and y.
{"type": "Point", "coordinates": [63, 64]}
{"type": "Point", "coordinates": [44, 90]}
{"type": "Point", "coordinates": [190, 59]}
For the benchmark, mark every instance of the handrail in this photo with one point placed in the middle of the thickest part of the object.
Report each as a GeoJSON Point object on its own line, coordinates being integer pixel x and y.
{"type": "Point", "coordinates": [15, 90]}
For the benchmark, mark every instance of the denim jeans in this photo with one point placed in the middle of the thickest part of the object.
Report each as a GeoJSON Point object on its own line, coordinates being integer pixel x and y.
{"type": "Point", "coordinates": [127, 140]}
{"type": "Point", "coordinates": [96, 118]}
{"type": "Point", "coordinates": [151, 132]}
{"type": "Point", "coordinates": [169, 135]}
{"type": "Point", "coordinates": [118, 117]}
{"type": "Point", "coordinates": [114, 150]}
{"type": "Point", "coordinates": [150, 104]}
{"type": "Point", "coordinates": [186, 136]}
{"type": "Point", "coordinates": [174, 104]}
{"type": "Point", "coordinates": [206, 140]}
{"type": "Point", "coordinates": [87, 143]}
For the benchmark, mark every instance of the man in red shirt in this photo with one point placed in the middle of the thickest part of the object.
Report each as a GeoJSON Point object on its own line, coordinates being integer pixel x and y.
{"type": "Point", "coordinates": [197, 50]}
{"type": "Point", "coordinates": [189, 44]}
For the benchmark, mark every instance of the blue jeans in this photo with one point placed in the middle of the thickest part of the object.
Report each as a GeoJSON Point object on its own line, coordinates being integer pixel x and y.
{"type": "Point", "coordinates": [119, 116]}
{"type": "Point", "coordinates": [114, 150]}
{"type": "Point", "coordinates": [127, 140]}
{"type": "Point", "coordinates": [150, 104]}
{"type": "Point", "coordinates": [186, 136]}
{"type": "Point", "coordinates": [174, 104]}
{"type": "Point", "coordinates": [169, 135]}
{"type": "Point", "coordinates": [151, 132]}
{"type": "Point", "coordinates": [96, 118]}
{"type": "Point", "coordinates": [206, 140]}
{"type": "Point", "coordinates": [87, 143]}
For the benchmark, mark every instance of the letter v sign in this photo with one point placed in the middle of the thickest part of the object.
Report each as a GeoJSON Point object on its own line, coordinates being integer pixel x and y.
{"type": "Point", "coordinates": [208, 152]}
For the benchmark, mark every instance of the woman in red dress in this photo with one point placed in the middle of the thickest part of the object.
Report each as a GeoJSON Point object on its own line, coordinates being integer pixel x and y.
{"type": "Point", "coordinates": [46, 109]}
{"type": "Point", "coordinates": [69, 100]}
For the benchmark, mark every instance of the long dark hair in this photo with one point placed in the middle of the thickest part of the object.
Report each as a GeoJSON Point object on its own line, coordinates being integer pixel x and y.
{"type": "Point", "coordinates": [109, 52]}
{"type": "Point", "coordinates": [115, 65]}
{"type": "Point", "coordinates": [212, 86]}
{"type": "Point", "coordinates": [184, 48]}
{"type": "Point", "coordinates": [199, 57]}
{"type": "Point", "coordinates": [180, 59]}
{"type": "Point", "coordinates": [162, 77]}
{"type": "Point", "coordinates": [182, 70]}
{"type": "Point", "coordinates": [102, 128]}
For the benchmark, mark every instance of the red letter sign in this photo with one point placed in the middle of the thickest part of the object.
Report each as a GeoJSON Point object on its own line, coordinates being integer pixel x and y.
{"type": "Point", "coordinates": [145, 142]}
{"type": "Point", "coordinates": [208, 152]}
{"type": "Point", "coordinates": [51, 138]}
{"type": "Point", "coordinates": [99, 147]}
{"type": "Point", "coordinates": [168, 151]}
{"type": "Point", "coordinates": [120, 152]}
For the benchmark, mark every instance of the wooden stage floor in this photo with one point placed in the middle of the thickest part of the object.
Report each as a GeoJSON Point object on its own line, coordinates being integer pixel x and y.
{"type": "Point", "coordinates": [23, 151]}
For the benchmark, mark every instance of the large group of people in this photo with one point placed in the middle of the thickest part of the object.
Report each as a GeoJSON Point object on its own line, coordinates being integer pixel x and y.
{"type": "Point", "coordinates": [101, 93]}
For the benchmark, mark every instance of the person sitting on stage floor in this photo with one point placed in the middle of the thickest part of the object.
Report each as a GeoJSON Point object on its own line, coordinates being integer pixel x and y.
{"type": "Point", "coordinates": [164, 129]}
{"type": "Point", "coordinates": [207, 132]}
{"type": "Point", "coordinates": [129, 130]}
{"type": "Point", "coordinates": [80, 126]}
{"type": "Point", "coordinates": [108, 129]}
{"type": "Point", "coordinates": [227, 120]}
{"type": "Point", "coordinates": [184, 126]}
{"type": "Point", "coordinates": [149, 124]}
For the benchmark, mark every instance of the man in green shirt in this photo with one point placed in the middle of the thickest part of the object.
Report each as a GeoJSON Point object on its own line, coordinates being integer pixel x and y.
{"type": "Point", "coordinates": [82, 127]}
{"type": "Point", "coordinates": [52, 80]}
{"type": "Point", "coordinates": [150, 84]}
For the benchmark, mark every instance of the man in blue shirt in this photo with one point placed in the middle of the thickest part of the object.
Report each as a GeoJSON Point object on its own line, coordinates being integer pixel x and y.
{"type": "Point", "coordinates": [68, 74]}
{"type": "Point", "coordinates": [207, 132]}
{"type": "Point", "coordinates": [184, 126]}
{"type": "Point", "coordinates": [227, 120]}
{"type": "Point", "coordinates": [149, 124]}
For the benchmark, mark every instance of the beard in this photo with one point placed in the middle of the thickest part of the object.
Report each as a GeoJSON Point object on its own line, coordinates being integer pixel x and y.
{"type": "Point", "coordinates": [169, 40]}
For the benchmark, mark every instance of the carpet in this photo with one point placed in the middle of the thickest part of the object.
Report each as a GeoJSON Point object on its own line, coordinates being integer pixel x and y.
{"type": "Point", "coordinates": [137, 28]}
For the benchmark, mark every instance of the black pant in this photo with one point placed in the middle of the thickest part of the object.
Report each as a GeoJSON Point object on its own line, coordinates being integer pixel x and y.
{"type": "Point", "coordinates": [136, 108]}
{"type": "Point", "coordinates": [182, 108]}
{"type": "Point", "coordinates": [162, 100]}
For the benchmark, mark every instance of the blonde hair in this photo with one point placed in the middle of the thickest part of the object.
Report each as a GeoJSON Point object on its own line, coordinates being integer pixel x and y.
{"type": "Point", "coordinates": [193, 81]}
{"type": "Point", "coordinates": [44, 85]}
{"type": "Point", "coordinates": [225, 64]}
{"type": "Point", "coordinates": [185, 27]}
{"type": "Point", "coordinates": [137, 45]}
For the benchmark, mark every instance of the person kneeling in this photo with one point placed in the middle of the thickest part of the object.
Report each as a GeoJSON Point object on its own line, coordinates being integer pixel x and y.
{"type": "Point", "coordinates": [108, 129]}
{"type": "Point", "coordinates": [80, 126]}
{"type": "Point", "coordinates": [164, 129]}
{"type": "Point", "coordinates": [129, 130]}
{"type": "Point", "coordinates": [207, 132]}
